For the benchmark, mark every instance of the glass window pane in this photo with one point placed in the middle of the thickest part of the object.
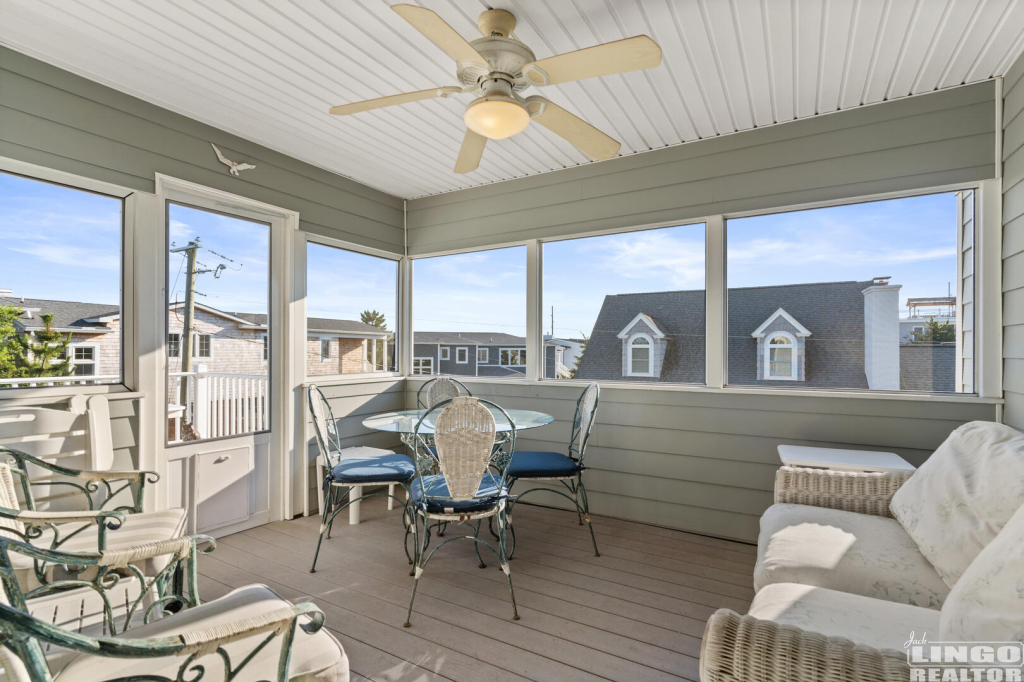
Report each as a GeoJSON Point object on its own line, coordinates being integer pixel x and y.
{"type": "Point", "coordinates": [218, 307]}
{"type": "Point", "coordinates": [602, 293]}
{"type": "Point", "coordinates": [475, 301]}
{"type": "Point", "coordinates": [862, 296]}
{"type": "Point", "coordinates": [351, 312]}
{"type": "Point", "coordinates": [60, 285]}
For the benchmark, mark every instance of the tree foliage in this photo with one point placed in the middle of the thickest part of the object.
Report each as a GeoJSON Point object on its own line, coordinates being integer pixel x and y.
{"type": "Point", "coordinates": [374, 319]}
{"type": "Point", "coordinates": [45, 354]}
{"type": "Point", "coordinates": [9, 346]}
{"type": "Point", "coordinates": [934, 332]}
{"type": "Point", "coordinates": [576, 365]}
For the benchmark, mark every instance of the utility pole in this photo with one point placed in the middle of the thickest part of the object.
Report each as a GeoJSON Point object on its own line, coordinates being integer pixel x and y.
{"type": "Point", "coordinates": [190, 303]}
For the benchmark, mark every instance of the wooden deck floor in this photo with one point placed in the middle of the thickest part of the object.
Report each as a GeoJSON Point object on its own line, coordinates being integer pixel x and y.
{"type": "Point", "coordinates": [637, 612]}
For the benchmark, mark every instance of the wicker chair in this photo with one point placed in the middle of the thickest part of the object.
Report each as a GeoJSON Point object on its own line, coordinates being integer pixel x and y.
{"type": "Point", "coordinates": [747, 648]}
{"type": "Point", "coordinates": [465, 490]}
{"type": "Point", "coordinates": [114, 627]}
{"type": "Point", "coordinates": [438, 390]}
{"type": "Point", "coordinates": [350, 469]}
{"type": "Point", "coordinates": [556, 466]}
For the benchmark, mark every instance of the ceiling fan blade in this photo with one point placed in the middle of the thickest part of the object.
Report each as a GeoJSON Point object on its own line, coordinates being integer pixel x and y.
{"type": "Point", "coordinates": [440, 33]}
{"type": "Point", "coordinates": [470, 153]}
{"type": "Point", "coordinates": [366, 105]}
{"type": "Point", "coordinates": [574, 129]}
{"type": "Point", "coordinates": [630, 54]}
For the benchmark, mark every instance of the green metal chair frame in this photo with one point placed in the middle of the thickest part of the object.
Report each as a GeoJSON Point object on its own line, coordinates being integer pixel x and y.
{"type": "Point", "coordinates": [578, 439]}
{"type": "Point", "coordinates": [344, 499]}
{"type": "Point", "coordinates": [25, 636]}
{"type": "Point", "coordinates": [493, 506]}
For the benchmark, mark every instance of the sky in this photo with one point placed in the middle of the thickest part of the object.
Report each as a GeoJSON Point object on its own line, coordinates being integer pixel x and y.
{"type": "Point", "coordinates": [64, 244]}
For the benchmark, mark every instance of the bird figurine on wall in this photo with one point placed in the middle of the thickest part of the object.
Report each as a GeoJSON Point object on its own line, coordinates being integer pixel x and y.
{"type": "Point", "coordinates": [233, 168]}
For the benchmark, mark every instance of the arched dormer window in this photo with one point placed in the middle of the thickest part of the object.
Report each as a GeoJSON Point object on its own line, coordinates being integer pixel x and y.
{"type": "Point", "coordinates": [640, 356]}
{"type": "Point", "coordinates": [780, 357]}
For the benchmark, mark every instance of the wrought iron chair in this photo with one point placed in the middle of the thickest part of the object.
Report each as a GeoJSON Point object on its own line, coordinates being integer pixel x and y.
{"type": "Point", "coordinates": [113, 626]}
{"type": "Point", "coordinates": [348, 470]}
{"type": "Point", "coordinates": [465, 490]}
{"type": "Point", "coordinates": [555, 466]}
{"type": "Point", "coordinates": [438, 390]}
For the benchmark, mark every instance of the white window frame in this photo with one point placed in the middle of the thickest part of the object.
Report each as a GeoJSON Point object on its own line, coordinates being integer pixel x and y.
{"type": "Point", "coordinates": [444, 353]}
{"type": "Point", "coordinates": [320, 340]}
{"type": "Point", "coordinates": [402, 292]}
{"type": "Point", "coordinates": [94, 362]}
{"type": "Point", "coordinates": [793, 359]}
{"type": "Point", "coordinates": [266, 348]}
{"type": "Point", "coordinates": [133, 212]}
{"type": "Point", "coordinates": [195, 346]}
{"type": "Point", "coordinates": [462, 351]}
{"type": "Point", "coordinates": [650, 355]}
{"type": "Point", "coordinates": [177, 354]}
{"type": "Point", "coordinates": [486, 356]}
{"type": "Point", "coordinates": [522, 356]}
{"type": "Point", "coordinates": [422, 360]}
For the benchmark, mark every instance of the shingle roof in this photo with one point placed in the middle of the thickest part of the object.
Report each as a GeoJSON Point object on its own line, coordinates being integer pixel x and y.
{"type": "Point", "coordinates": [470, 338]}
{"type": "Point", "coordinates": [832, 311]}
{"type": "Point", "coordinates": [66, 314]}
{"type": "Point", "coordinates": [319, 323]}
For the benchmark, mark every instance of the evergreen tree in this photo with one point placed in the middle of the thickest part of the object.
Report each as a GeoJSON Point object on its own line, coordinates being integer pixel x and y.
{"type": "Point", "coordinates": [934, 332]}
{"type": "Point", "coordinates": [576, 365]}
{"type": "Point", "coordinates": [9, 346]}
{"type": "Point", "coordinates": [46, 355]}
{"type": "Point", "coordinates": [376, 319]}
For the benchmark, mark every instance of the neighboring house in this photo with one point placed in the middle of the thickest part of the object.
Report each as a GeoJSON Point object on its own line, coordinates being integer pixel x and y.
{"type": "Point", "coordinates": [483, 354]}
{"type": "Point", "coordinates": [828, 334]}
{"type": "Point", "coordinates": [918, 323]}
{"type": "Point", "coordinates": [224, 342]}
{"type": "Point", "coordinates": [95, 329]}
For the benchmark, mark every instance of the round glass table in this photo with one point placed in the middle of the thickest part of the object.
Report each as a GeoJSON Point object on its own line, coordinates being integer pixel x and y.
{"type": "Point", "coordinates": [404, 423]}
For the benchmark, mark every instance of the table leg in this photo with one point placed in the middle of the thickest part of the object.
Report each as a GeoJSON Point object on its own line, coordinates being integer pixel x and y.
{"type": "Point", "coordinates": [391, 499]}
{"type": "Point", "coordinates": [353, 509]}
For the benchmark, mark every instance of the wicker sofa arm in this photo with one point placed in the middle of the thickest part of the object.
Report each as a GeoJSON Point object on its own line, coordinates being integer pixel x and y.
{"type": "Point", "coordinates": [864, 493]}
{"type": "Point", "coordinates": [745, 648]}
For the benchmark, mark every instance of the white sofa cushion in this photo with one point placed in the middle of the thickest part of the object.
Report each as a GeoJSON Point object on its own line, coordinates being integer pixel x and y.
{"type": "Point", "coordinates": [840, 550]}
{"type": "Point", "coordinates": [315, 658]}
{"type": "Point", "coordinates": [862, 620]}
{"type": "Point", "coordinates": [987, 603]}
{"type": "Point", "coordinates": [963, 495]}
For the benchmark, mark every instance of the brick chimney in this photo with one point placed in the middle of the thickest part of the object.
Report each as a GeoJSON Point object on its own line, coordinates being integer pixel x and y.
{"type": "Point", "coordinates": [882, 335]}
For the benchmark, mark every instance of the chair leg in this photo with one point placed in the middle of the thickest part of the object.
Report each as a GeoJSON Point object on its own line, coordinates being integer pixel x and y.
{"type": "Point", "coordinates": [476, 545]}
{"type": "Point", "coordinates": [417, 570]}
{"type": "Point", "coordinates": [586, 513]}
{"type": "Point", "coordinates": [326, 509]}
{"type": "Point", "coordinates": [504, 558]}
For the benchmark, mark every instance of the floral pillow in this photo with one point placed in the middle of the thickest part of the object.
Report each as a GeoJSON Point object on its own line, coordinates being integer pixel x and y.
{"type": "Point", "coordinates": [960, 499]}
{"type": "Point", "coordinates": [987, 603]}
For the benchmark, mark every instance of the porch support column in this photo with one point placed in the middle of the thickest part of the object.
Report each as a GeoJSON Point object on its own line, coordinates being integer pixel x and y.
{"type": "Point", "coordinates": [717, 303]}
{"type": "Point", "coordinates": [534, 311]}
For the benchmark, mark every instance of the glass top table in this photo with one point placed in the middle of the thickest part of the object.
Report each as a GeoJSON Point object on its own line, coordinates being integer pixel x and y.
{"type": "Point", "coordinates": [404, 421]}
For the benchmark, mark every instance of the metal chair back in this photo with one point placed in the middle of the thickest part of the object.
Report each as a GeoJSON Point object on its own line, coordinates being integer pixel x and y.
{"type": "Point", "coordinates": [464, 437]}
{"type": "Point", "coordinates": [439, 390]}
{"type": "Point", "coordinates": [583, 422]}
{"type": "Point", "coordinates": [324, 426]}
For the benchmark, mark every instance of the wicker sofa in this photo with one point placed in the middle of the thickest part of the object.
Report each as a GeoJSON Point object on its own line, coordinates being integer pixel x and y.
{"type": "Point", "coordinates": [842, 578]}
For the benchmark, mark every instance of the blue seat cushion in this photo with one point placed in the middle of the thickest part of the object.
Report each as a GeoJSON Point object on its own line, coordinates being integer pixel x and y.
{"type": "Point", "coordinates": [542, 465]}
{"type": "Point", "coordinates": [435, 486]}
{"type": "Point", "coordinates": [392, 468]}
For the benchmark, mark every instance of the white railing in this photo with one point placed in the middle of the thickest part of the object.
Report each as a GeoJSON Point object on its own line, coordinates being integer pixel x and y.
{"type": "Point", "coordinates": [218, 404]}
{"type": "Point", "coordinates": [61, 381]}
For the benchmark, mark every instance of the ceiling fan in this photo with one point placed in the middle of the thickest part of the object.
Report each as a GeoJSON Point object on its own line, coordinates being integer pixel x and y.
{"type": "Point", "coordinates": [497, 67]}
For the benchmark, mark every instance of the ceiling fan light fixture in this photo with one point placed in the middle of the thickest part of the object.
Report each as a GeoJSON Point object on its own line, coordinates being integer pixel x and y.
{"type": "Point", "coordinates": [497, 117]}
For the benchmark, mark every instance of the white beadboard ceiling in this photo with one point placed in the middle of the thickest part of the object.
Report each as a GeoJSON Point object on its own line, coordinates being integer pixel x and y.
{"type": "Point", "coordinates": [268, 70]}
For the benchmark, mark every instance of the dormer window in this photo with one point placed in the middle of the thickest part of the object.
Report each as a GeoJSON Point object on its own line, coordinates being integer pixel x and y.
{"type": "Point", "coordinates": [779, 360]}
{"type": "Point", "coordinates": [640, 355]}
{"type": "Point", "coordinates": [780, 348]}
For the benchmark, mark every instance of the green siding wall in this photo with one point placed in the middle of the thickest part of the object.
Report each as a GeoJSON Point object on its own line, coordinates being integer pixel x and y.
{"type": "Point", "coordinates": [1013, 245]}
{"type": "Point", "coordinates": [935, 139]}
{"type": "Point", "coordinates": [704, 461]}
{"type": "Point", "coordinates": [56, 119]}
